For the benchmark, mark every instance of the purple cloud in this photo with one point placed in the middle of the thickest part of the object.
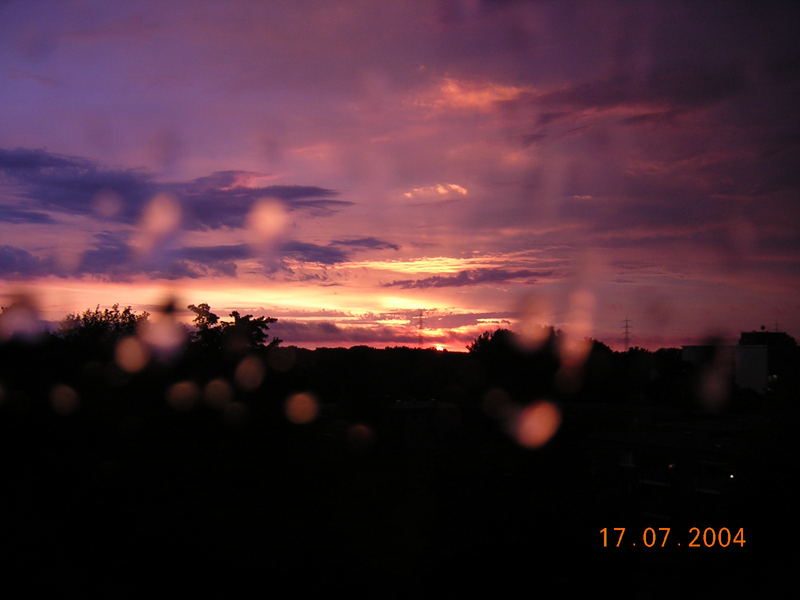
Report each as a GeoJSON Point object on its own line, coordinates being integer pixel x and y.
{"type": "Point", "coordinates": [15, 214]}
{"type": "Point", "coordinates": [69, 185]}
{"type": "Point", "coordinates": [16, 262]}
{"type": "Point", "coordinates": [471, 277]}
{"type": "Point", "coordinates": [677, 86]}
{"type": "Point", "coordinates": [370, 243]}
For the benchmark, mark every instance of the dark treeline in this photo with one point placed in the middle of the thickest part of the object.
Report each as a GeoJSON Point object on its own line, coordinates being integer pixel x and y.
{"type": "Point", "coordinates": [134, 450]}
{"type": "Point", "coordinates": [81, 353]}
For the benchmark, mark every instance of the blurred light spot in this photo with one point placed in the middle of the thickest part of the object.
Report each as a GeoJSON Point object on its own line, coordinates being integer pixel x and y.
{"type": "Point", "coordinates": [574, 347]}
{"type": "Point", "coordinates": [21, 319]}
{"type": "Point", "coordinates": [63, 399]}
{"type": "Point", "coordinates": [731, 476]}
{"type": "Point", "coordinates": [217, 393]}
{"type": "Point", "coordinates": [131, 355]}
{"type": "Point", "coordinates": [163, 335]}
{"type": "Point", "coordinates": [534, 316]}
{"type": "Point", "coordinates": [249, 373]}
{"type": "Point", "coordinates": [439, 348]}
{"type": "Point", "coordinates": [574, 350]}
{"type": "Point", "coordinates": [301, 408]}
{"type": "Point", "coordinates": [265, 221]}
{"type": "Point", "coordinates": [160, 217]}
{"type": "Point", "coordinates": [569, 379]}
{"type": "Point", "coordinates": [714, 388]}
{"type": "Point", "coordinates": [183, 395]}
{"type": "Point", "coordinates": [360, 436]}
{"type": "Point", "coordinates": [107, 204]}
{"type": "Point", "coordinates": [537, 423]}
{"type": "Point", "coordinates": [715, 379]}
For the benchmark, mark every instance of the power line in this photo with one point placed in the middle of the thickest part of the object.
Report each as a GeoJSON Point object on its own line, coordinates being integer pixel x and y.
{"type": "Point", "coordinates": [421, 322]}
{"type": "Point", "coordinates": [627, 330]}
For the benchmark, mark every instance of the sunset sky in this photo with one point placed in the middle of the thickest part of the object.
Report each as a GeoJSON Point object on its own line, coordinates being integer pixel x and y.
{"type": "Point", "coordinates": [343, 166]}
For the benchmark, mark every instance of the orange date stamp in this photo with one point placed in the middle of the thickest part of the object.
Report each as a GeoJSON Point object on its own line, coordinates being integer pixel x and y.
{"type": "Point", "coordinates": [667, 537]}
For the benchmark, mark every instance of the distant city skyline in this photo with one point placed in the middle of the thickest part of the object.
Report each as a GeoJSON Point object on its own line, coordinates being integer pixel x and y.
{"type": "Point", "coordinates": [343, 166]}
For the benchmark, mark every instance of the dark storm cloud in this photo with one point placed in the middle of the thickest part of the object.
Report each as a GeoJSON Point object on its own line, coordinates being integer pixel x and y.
{"type": "Point", "coordinates": [665, 208]}
{"type": "Point", "coordinates": [112, 256]}
{"type": "Point", "coordinates": [531, 139]}
{"type": "Point", "coordinates": [470, 277]}
{"type": "Point", "coordinates": [305, 252]}
{"type": "Point", "coordinates": [34, 160]}
{"type": "Point", "coordinates": [211, 254]}
{"type": "Point", "coordinates": [682, 85]}
{"type": "Point", "coordinates": [332, 334]}
{"type": "Point", "coordinates": [13, 214]}
{"type": "Point", "coordinates": [221, 258]}
{"type": "Point", "coordinates": [219, 200]}
{"type": "Point", "coordinates": [370, 243]}
{"type": "Point", "coordinates": [326, 332]}
{"type": "Point", "coordinates": [16, 262]}
{"type": "Point", "coordinates": [110, 252]}
{"type": "Point", "coordinates": [657, 117]}
{"type": "Point", "coordinates": [306, 330]}
{"type": "Point", "coordinates": [70, 184]}
{"type": "Point", "coordinates": [780, 144]}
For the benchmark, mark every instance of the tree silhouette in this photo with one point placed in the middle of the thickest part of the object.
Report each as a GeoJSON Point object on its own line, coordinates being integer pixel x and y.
{"type": "Point", "coordinates": [248, 331]}
{"type": "Point", "coordinates": [510, 364]}
{"type": "Point", "coordinates": [491, 341]}
{"type": "Point", "coordinates": [205, 318]}
{"type": "Point", "coordinates": [209, 333]}
{"type": "Point", "coordinates": [107, 324]}
{"type": "Point", "coordinates": [240, 335]}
